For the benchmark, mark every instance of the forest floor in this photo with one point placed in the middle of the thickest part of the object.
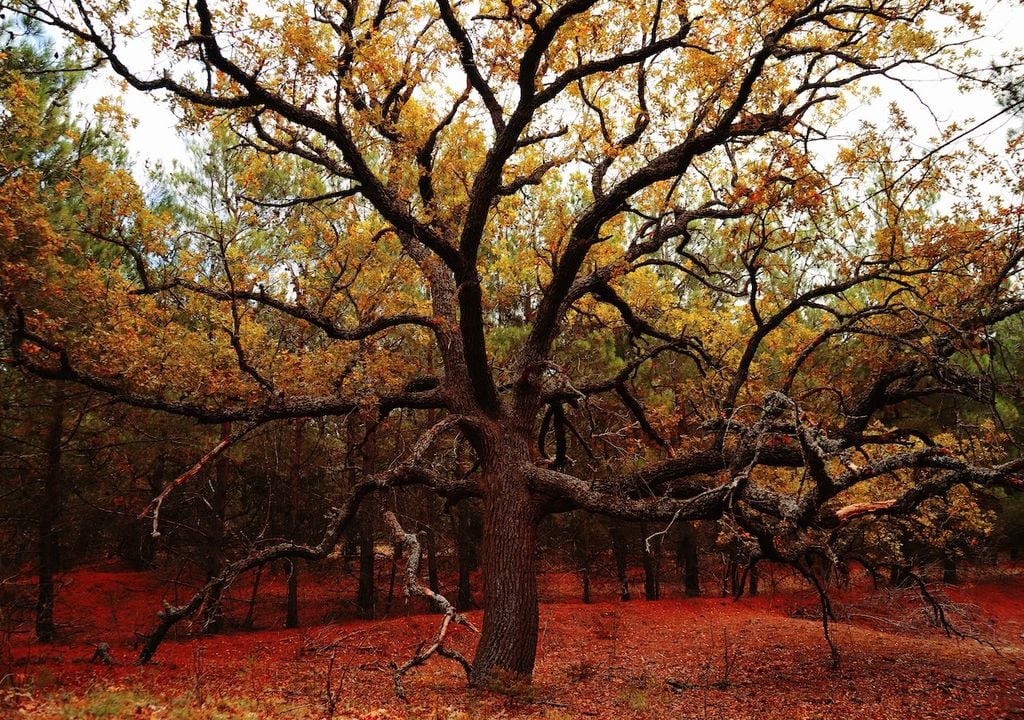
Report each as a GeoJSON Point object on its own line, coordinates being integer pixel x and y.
{"type": "Point", "coordinates": [762, 657]}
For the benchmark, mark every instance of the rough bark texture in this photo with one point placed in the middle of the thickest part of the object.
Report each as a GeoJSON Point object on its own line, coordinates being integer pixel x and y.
{"type": "Point", "coordinates": [731, 578]}
{"type": "Point", "coordinates": [508, 643]}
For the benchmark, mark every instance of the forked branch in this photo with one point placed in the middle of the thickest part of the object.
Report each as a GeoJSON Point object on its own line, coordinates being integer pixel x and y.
{"type": "Point", "coordinates": [414, 587]}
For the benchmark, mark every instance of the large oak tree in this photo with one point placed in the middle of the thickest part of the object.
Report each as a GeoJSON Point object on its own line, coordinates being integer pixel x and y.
{"type": "Point", "coordinates": [510, 213]}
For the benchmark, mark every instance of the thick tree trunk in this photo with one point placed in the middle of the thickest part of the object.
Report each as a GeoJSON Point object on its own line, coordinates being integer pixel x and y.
{"type": "Point", "coordinates": [901, 573]}
{"type": "Point", "coordinates": [48, 518]}
{"type": "Point", "coordinates": [508, 643]}
{"type": "Point", "coordinates": [291, 614]}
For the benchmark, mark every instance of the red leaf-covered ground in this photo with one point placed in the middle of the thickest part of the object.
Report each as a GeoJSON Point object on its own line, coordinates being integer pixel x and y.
{"type": "Point", "coordinates": [761, 657]}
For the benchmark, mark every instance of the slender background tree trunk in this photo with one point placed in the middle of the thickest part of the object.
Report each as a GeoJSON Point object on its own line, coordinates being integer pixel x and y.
{"type": "Point", "coordinates": [366, 591]}
{"type": "Point", "coordinates": [620, 551]}
{"type": "Point", "coordinates": [581, 547]}
{"type": "Point", "coordinates": [652, 583]}
{"type": "Point", "coordinates": [465, 548]}
{"type": "Point", "coordinates": [690, 562]}
{"type": "Point", "coordinates": [48, 512]}
{"type": "Point", "coordinates": [213, 615]}
{"type": "Point", "coordinates": [294, 476]}
{"type": "Point", "coordinates": [466, 556]}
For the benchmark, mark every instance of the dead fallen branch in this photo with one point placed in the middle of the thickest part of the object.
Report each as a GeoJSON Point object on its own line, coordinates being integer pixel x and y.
{"type": "Point", "coordinates": [413, 587]}
{"type": "Point", "coordinates": [408, 472]}
{"type": "Point", "coordinates": [225, 443]}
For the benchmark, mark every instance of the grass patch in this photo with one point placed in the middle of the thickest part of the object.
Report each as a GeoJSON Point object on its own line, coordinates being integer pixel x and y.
{"type": "Point", "coordinates": [109, 703]}
{"type": "Point", "coordinates": [115, 702]}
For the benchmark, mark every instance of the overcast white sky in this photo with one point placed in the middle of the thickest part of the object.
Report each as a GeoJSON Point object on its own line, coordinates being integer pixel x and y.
{"type": "Point", "coordinates": [155, 138]}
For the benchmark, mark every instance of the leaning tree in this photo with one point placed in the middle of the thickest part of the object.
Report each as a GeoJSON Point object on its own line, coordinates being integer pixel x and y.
{"type": "Point", "coordinates": [629, 253]}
